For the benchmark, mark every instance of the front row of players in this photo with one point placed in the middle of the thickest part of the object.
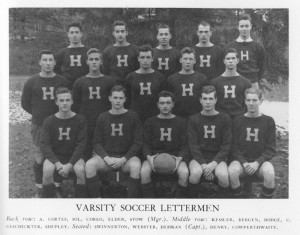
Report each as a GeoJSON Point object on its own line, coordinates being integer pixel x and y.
{"type": "Point", "coordinates": [119, 139]}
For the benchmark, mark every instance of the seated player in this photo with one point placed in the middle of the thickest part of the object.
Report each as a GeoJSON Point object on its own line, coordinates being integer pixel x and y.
{"type": "Point", "coordinates": [209, 137]}
{"type": "Point", "coordinates": [186, 85]}
{"type": "Point", "coordinates": [90, 95]}
{"type": "Point", "coordinates": [63, 143]}
{"type": "Point", "coordinates": [165, 133]}
{"type": "Point", "coordinates": [143, 85]}
{"type": "Point", "coordinates": [231, 86]}
{"type": "Point", "coordinates": [117, 142]}
{"type": "Point", "coordinates": [38, 100]}
{"type": "Point", "coordinates": [254, 145]}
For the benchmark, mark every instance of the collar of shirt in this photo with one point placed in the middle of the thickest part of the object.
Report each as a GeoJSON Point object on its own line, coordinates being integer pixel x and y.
{"type": "Point", "coordinates": [239, 39]}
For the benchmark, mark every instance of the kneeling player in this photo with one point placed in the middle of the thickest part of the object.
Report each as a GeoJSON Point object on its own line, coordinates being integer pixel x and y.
{"type": "Point", "coordinates": [117, 142]}
{"type": "Point", "coordinates": [254, 145]}
{"type": "Point", "coordinates": [165, 133]}
{"type": "Point", "coordinates": [209, 135]}
{"type": "Point", "coordinates": [63, 143]}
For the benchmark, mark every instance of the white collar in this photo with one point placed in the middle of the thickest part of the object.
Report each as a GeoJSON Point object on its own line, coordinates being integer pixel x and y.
{"type": "Point", "coordinates": [239, 39]}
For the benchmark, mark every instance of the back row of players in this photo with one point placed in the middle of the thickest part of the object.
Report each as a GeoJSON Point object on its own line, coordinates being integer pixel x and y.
{"type": "Point", "coordinates": [92, 93]}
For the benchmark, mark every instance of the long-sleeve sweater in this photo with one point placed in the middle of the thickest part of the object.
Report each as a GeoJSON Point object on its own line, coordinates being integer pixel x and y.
{"type": "Point", "coordinates": [252, 62]}
{"type": "Point", "coordinates": [254, 139]}
{"type": "Point", "coordinates": [38, 96]}
{"type": "Point", "coordinates": [63, 140]}
{"type": "Point", "coordinates": [166, 136]}
{"type": "Point", "coordinates": [118, 135]}
{"type": "Point", "coordinates": [209, 137]}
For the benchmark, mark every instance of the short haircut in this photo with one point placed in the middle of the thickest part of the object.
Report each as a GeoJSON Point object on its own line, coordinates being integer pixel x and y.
{"type": "Point", "coordinates": [231, 50]}
{"type": "Point", "coordinates": [163, 26]}
{"type": "Point", "coordinates": [118, 88]}
{"type": "Point", "coordinates": [165, 94]}
{"type": "Point", "coordinates": [209, 89]}
{"type": "Point", "coordinates": [204, 23]}
{"type": "Point", "coordinates": [245, 17]}
{"type": "Point", "coordinates": [62, 90]}
{"type": "Point", "coordinates": [145, 48]}
{"type": "Point", "coordinates": [187, 50]}
{"type": "Point", "coordinates": [119, 23]}
{"type": "Point", "coordinates": [46, 52]}
{"type": "Point", "coordinates": [252, 90]}
{"type": "Point", "coordinates": [75, 24]}
{"type": "Point", "coordinates": [94, 50]}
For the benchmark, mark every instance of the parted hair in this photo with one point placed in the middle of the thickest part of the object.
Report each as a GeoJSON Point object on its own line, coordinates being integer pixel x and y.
{"type": "Point", "coordinates": [46, 52]}
{"type": "Point", "coordinates": [119, 23]}
{"type": "Point", "coordinates": [62, 90]}
{"type": "Point", "coordinates": [117, 88]}
{"type": "Point", "coordinates": [208, 89]}
{"type": "Point", "coordinates": [252, 90]}
{"type": "Point", "coordinates": [165, 94]}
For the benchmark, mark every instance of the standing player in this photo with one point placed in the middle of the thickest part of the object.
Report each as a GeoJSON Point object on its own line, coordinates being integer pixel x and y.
{"type": "Point", "coordinates": [144, 85]}
{"type": "Point", "coordinates": [120, 59]}
{"type": "Point", "coordinates": [252, 54]}
{"type": "Point", "coordinates": [71, 61]}
{"type": "Point", "coordinates": [38, 100]}
{"type": "Point", "coordinates": [209, 58]}
{"type": "Point", "coordinates": [209, 137]}
{"type": "Point", "coordinates": [254, 145]}
{"type": "Point", "coordinates": [231, 86]}
{"type": "Point", "coordinates": [165, 133]}
{"type": "Point", "coordinates": [165, 57]}
{"type": "Point", "coordinates": [90, 95]}
{"type": "Point", "coordinates": [186, 85]}
{"type": "Point", "coordinates": [63, 143]}
{"type": "Point", "coordinates": [117, 142]}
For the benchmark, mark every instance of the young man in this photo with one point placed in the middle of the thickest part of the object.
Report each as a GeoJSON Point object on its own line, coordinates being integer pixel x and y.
{"type": "Point", "coordinates": [231, 86]}
{"type": "Point", "coordinates": [165, 133]}
{"type": "Point", "coordinates": [165, 57]}
{"type": "Point", "coordinates": [120, 59]}
{"type": "Point", "coordinates": [143, 85]}
{"type": "Point", "coordinates": [71, 61]}
{"type": "Point", "coordinates": [63, 143]}
{"type": "Point", "coordinates": [186, 85]}
{"type": "Point", "coordinates": [252, 54]}
{"type": "Point", "coordinates": [117, 142]}
{"type": "Point", "coordinates": [254, 145]}
{"type": "Point", "coordinates": [209, 58]}
{"type": "Point", "coordinates": [209, 137]}
{"type": "Point", "coordinates": [38, 100]}
{"type": "Point", "coordinates": [90, 95]}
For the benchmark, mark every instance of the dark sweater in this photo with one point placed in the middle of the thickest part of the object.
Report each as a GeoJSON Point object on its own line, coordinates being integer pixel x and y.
{"type": "Point", "coordinates": [252, 62]}
{"type": "Point", "coordinates": [38, 96]}
{"type": "Point", "coordinates": [254, 139]}
{"type": "Point", "coordinates": [209, 61]}
{"type": "Point", "coordinates": [231, 94]}
{"type": "Point", "coordinates": [118, 62]}
{"type": "Point", "coordinates": [166, 61]}
{"type": "Point", "coordinates": [166, 136]}
{"type": "Point", "coordinates": [209, 137]}
{"type": "Point", "coordinates": [71, 63]}
{"type": "Point", "coordinates": [142, 92]}
{"type": "Point", "coordinates": [63, 140]}
{"type": "Point", "coordinates": [118, 135]}
{"type": "Point", "coordinates": [186, 89]}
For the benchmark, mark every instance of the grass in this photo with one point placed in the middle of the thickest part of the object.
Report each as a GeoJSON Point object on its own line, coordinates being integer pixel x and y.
{"type": "Point", "coordinates": [278, 91]}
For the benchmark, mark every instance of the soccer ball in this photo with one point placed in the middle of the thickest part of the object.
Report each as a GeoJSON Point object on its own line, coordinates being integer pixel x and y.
{"type": "Point", "coordinates": [164, 163]}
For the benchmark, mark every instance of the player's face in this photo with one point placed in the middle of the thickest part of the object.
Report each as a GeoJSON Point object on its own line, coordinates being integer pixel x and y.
{"type": "Point", "coordinates": [64, 102]}
{"type": "Point", "coordinates": [231, 60]}
{"type": "Point", "coordinates": [165, 105]}
{"type": "Point", "coordinates": [117, 99]}
{"type": "Point", "coordinates": [252, 102]}
{"type": "Point", "coordinates": [47, 63]}
{"type": "Point", "coordinates": [74, 35]}
{"type": "Point", "coordinates": [164, 36]}
{"type": "Point", "coordinates": [244, 28]}
{"type": "Point", "coordinates": [94, 61]}
{"type": "Point", "coordinates": [208, 101]}
{"type": "Point", "coordinates": [204, 33]}
{"type": "Point", "coordinates": [145, 59]}
{"type": "Point", "coordinates": [120, 33]}
{"type": "Point", "coordinates": [187, 61]}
